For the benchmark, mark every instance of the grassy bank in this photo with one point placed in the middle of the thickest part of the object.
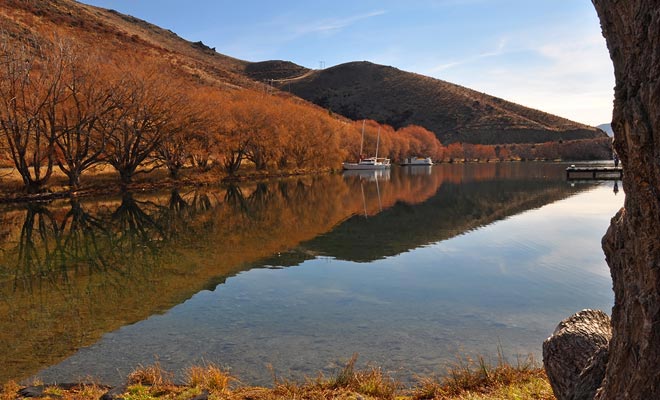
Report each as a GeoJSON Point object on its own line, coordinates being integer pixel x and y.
{"type": "Point", "coordinates": [467, 380]}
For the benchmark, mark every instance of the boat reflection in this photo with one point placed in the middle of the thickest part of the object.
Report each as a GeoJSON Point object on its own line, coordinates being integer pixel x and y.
{"type": "Point", "coordinates": [418, 170]}
{"type": "Point", "coordinates": [368, 175]}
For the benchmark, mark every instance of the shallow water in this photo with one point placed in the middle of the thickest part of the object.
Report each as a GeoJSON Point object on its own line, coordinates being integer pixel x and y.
{"type": "Point", "coordinates": [408, 269]}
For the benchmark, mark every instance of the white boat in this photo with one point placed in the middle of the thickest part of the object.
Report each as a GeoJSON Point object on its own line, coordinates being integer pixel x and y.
{"type": "Point", "coordinates": [371, 162]}
{"type": "Point", "coordinates": [424, 161]}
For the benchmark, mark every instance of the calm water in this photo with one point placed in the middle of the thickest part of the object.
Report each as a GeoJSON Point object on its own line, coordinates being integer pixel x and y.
{"type": "Point", "coordinates": [407, 268]}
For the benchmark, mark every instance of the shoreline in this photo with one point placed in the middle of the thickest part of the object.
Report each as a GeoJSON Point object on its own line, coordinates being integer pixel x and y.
{"type": "Point", "coordinates": [99, 184]}
{"type": "Point", "coordinates": [57, 192]}
{"type": "Point", "coordinates": [467, 379]}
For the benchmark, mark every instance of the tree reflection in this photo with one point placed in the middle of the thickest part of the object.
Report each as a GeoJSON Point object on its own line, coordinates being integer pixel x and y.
{"type": "Point", "coordinates": [235, 199]}
{"type": "Point", "coordinates": [71, 271]}
{"type": "Point", "coordinates": [83, 236]}
{"type": "Point", "coordinates": [37, 246]}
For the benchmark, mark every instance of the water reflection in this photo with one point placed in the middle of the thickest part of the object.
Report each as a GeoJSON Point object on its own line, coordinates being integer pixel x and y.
{"type": "Point", "coordinates": [418, 170]}
{"type": "Point", "coordinates": [71, 271]}
{"type": "Point", "coordinates": [369, 175]}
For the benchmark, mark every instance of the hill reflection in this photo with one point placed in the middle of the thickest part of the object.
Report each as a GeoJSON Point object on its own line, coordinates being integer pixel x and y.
{"type": "Point", "coordinates": [73, 270]}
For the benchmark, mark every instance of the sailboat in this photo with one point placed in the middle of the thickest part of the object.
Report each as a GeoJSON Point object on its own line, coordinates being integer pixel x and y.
{"type": "Point", "coordinates": [371, 162]}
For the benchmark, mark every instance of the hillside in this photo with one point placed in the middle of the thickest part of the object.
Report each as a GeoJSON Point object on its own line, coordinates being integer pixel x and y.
{"type": "Point", "coordinates": [456, 114]}
{"type": "Point", "coordinates": [607, 128]}
{"type": "Point", "coordinates": [355, 90]}
{"type": "Point", "coordinates": [121, 37]}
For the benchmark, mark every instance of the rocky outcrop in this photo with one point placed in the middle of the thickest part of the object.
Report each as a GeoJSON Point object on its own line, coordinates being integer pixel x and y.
{"type": "Point", "coordinates": [575, 355]}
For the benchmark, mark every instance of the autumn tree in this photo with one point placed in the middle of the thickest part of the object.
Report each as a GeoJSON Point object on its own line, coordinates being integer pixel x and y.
{"type": "Point", "coordinates": [267, 117]}
{"type": "Point", "coordinates": [314, 138]}
{"type": "Point", "coordinates": [202, 144]}
{"type": "Point", "coordinates": [483, 152]}
{"type": "Point", "coordinates": [89, 99]}
{"type": "Point", "coordinates": [31, 89]}
{"type": "Point", "coordinates": [455, 152]}
{"type": "Point", "coordinates": [236, 128]}
{"type": "Point", "coordinates": [421, 141]}
{"type": "Point", "coordinates": [188, 123]}
{"type": "Point", "coordinates": [144, 112]}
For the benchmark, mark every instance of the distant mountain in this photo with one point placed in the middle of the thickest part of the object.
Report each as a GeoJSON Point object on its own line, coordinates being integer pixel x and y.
{"type": "Point", "coordinates": [607, 128]}
{"type": "Point", "coordinates": [355, 90]}
{"type": "Point", "coordinates": [456, 114]}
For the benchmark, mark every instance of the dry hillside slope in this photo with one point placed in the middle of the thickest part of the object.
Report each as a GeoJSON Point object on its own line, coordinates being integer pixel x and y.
{"type": "Point", "coordinates": [120, 37]}
{"type": "Point", "coordinates": [456, 114]}
{"type": "Point", "coordinates": [355, 90]}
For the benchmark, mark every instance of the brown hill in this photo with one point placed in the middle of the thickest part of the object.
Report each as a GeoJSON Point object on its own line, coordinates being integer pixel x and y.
{"type": "Point", "coordinates": [356, 90]}
{"type": "Point", "coordinates": [121, 37]}
{"type": "Point", "coordinates": [274, 70]}
{"type": "Point", "coordinates": [456, 114]}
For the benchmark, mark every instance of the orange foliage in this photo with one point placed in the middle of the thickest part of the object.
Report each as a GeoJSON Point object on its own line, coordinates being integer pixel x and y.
{"type": "Point", "coordinates": [97, 103]}
{"type": "Point", "coordinates": [584, 149]}
{"type": "Point", "coordinates": [409, 141]}
{"type": "Point", "coordinates": [132, 116]}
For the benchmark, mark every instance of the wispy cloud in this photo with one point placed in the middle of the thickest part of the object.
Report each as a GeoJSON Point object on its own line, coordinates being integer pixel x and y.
{"type": "Point", "coordinates": [286, 28]}
{"type": "Point", "coordinates": [334, 24]}
{"type": "Point", "coordinates": [571, 77]}
{"type": "Point", "coordinates": [499, 50]}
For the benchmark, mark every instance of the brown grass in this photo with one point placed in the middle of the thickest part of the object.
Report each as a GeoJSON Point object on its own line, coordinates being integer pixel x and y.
{"type": "Point", "coordinates": [8, 390]}
{"type": "Point", "coordinates": [151, 375]}
{"type": "Point", "coordinates": [370, 381]}
{"type": "Point", "coordinates": [467, 380]}
{"type": "Point", "coordinates": [209, 377]}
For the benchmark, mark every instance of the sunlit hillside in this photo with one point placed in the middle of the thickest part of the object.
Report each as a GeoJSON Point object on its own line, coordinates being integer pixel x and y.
{"type": "Point", "coordinates": [388, 95]}
{"type": "Point", "coordinates": [355, 90]}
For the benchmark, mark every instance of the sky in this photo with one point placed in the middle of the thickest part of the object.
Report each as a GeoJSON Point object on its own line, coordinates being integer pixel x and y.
{"type": "Point", "coordinates": [545, 54]}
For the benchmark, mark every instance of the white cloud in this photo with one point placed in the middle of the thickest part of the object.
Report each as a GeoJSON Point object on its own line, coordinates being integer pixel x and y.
{"type": "Point", "coordinates": [567, 75]}
{"type": "Point", "coordinates": [333, 24]}
{"type": "Point", "coordinates": [499, 50]}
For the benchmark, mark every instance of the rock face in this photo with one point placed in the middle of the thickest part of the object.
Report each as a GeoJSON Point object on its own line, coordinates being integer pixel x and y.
{"type": "Point", "coordinates": [575, 355]}
{"type": "Point", "coordinates": [632, 243]}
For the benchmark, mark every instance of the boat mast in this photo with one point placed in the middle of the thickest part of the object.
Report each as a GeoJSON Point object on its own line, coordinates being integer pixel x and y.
{"type": "Point", "coordinates": [364, 121]}
{"type": "Point", "coordinates": [377, 142]}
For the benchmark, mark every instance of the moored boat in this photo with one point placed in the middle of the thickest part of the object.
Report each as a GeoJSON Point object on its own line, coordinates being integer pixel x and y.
{"type": "Point", "coordinates": [412, 161]}
{"type": "Point", "coordinates": [370, 162]}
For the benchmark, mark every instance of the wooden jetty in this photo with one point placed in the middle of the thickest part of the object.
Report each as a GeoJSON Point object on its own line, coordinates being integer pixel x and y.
{"type": "Point", "coordinates": [594, 172]}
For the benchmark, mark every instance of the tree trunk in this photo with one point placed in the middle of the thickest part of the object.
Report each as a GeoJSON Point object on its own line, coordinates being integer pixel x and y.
{"type": "Point", "coordinates": [74, 179]}
{"type": "Point", "coordinates": [632, 243]}
{"type": "Point", "coordinates": [126, 176]}
{"type": "Point", "coordinates": [174, 171]}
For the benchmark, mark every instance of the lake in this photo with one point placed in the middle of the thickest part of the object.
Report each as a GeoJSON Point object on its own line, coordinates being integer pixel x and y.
{"type": "Point", "coordinates": [409, 268]}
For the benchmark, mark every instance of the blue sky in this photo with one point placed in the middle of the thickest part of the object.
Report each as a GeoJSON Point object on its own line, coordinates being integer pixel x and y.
{"type": "Point", "coordinates": [546, 54]}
